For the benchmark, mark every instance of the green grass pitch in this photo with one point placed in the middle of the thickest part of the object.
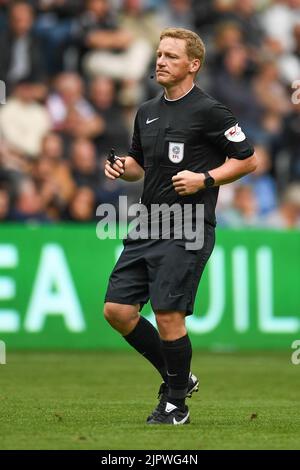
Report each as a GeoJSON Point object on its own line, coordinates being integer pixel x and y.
{"type": "Point", "coordinates": [100, 400]}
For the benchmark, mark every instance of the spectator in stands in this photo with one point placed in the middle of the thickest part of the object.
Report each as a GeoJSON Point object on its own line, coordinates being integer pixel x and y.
{"type": "Point", "coordinates": [233, 87]}
{"type": "Point", "coordinates": [54, 25]}
{"type": "Point", "coordinates": [177, 13]}
{"type": "Point", "coordinates": [279, 19]}
{"type": "Point", "coordinates": [3, 14]}
{"type": "Point", "coordinates": [274, 102]}
{"type": "Point", "coordinates": [71, 113]}
{"type": "Point", "coordinates": [244, 210]}
{"type": "Point", "coordinates": [52, 147]}
{"type": "Point", "coordinates": [82, 206]}
{"type": "Point", "coordinates": [113, 52]}
{"type": "Point", "coordinates": [228, 35]}
{"type": "Point", "coordinates": [53, 177]}
{"type": "Point", "coordinates": [4, 202]}
{"type": "Point", "coordinates": [287, 62]}
{"type": "Point", "coordinates": [23, 120]}
{"type": "Point", "coordinates": [206, 14]}
{"type": "Point", "coordinates": [21, 53]}
{"type": "Point", "coordinates": [13, 161]}
{"type": "Point", "coordinates": [270, 92]}
{"type": "Point", "coordinates": [87, 172]}
{"type": "Point", "coordinates": [103, 98]}
{"type": "Point", "coordinates": [59, 8]}
{"type": "Point", "coordinates": [142, 23]}
{"type": "Point", "coordinates": [97, 28]}
{"type": "Point", "coordinates": [262, 183]}
{"type": "Point", "coordinates": [84, 167]}
{"type": "Point", "coordinates": [287, 216]}
{"type": "Point", "coordinates": [244, 13]}
{"type": "Point", "coordinates": [28, 205]}
{"type": "Point", "coordinates": [296, 34]}
{"type": "Point", "coordinates": [291, 141]}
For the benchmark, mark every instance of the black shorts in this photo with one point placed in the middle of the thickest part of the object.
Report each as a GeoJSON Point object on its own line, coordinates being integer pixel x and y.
{"type": "Point", "coordinates": [160, 270]}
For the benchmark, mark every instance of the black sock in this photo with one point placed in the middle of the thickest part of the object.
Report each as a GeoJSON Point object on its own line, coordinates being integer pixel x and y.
{"type": "Point", "coordinates": [145, 339]}
{"type": "Point", "coordinates": [178, 355]}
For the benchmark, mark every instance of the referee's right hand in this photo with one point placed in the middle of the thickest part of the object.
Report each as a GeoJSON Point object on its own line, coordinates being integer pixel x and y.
{"type": "Point", "coordinates": [116, 170]}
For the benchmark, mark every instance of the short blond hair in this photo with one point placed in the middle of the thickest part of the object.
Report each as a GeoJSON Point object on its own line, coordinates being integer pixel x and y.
{"type": "Point", "coordinates": [195, 47]}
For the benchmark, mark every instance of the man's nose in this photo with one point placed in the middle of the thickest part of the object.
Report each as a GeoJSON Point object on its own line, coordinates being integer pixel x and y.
{"type": "Point", "coordinates": [160, 60]}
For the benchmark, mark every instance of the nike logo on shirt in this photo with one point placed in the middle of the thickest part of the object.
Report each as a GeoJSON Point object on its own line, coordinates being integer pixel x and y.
{"type": "Point", "coordinates": [151, 120]}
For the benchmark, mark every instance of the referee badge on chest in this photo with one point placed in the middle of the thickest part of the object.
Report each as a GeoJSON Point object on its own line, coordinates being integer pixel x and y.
{"type": "Point", "coordinates": [176, 152]}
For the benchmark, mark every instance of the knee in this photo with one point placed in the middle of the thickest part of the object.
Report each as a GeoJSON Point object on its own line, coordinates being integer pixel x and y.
{"type": "Point", "coordinates": [109, 311]}
{"type": "Point", "coordinates": [164, 320]}
{"type": "Point", "coordinates": [117, 314]}
{"type": "Point", "coordinates": [113, 312]}
{"type": "Point", "coordinates": [171, 326]}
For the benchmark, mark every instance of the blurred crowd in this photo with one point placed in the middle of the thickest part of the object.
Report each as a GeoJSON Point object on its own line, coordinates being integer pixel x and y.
{"type": "Point", "coordinates": [76, 71]}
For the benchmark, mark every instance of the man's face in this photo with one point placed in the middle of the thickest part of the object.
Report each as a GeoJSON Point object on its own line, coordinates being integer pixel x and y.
{"type": "Point", "coordinates": [100, 8]}
{"type": "Point", "coordinates": [172, 62]}
{"type": "Point", "coordinates": [69, 86]}
{"type": "Point", "coordinates": [21, 19]}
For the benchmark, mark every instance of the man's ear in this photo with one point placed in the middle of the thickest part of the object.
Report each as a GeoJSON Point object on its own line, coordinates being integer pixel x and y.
{"type": "Point", "coordinates": [195, 65]}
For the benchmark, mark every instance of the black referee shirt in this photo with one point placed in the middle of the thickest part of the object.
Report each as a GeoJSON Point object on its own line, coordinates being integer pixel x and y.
{"type": "Point", "coordinates": [194, 133]}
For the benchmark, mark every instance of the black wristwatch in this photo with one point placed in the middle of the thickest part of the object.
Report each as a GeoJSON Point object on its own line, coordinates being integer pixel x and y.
{"type": "Point", "coordinates": [209, 180]}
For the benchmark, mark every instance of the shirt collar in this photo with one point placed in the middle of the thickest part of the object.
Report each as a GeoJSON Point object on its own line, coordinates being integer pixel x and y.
{"type": "Point", "coordinates": [180, 97]}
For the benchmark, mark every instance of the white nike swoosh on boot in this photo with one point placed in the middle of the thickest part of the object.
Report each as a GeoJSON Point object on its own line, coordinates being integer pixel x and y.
{"type": "Point", "coordinates": [182, 421]}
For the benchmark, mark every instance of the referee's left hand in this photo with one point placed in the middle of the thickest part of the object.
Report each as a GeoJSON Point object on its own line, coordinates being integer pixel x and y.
{"type": "Point", "coordinates": [187, 182]}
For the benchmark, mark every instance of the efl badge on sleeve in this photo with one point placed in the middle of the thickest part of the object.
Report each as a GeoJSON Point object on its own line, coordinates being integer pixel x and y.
{"type": "Point", "coordinates": [235, 134]}
{"type": "Point", "coordinates": [176, 152]}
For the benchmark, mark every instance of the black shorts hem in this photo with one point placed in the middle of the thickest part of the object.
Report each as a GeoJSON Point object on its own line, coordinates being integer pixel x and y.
{"type": "Point", "coordinates": [171, 308]}
{"type": "Point", "coordinates": [127, 302]}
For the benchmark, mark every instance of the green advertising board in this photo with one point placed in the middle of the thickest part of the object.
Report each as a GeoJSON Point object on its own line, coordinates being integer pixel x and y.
{"type": "Point", "coordinates": [53, 280]}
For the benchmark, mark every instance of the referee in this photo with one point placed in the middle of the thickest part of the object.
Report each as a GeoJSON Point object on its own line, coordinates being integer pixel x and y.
{"type": "Point", "coordinates": [185, 144]}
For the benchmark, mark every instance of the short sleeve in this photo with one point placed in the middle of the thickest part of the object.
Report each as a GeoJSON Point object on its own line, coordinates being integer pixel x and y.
{"type": "Point", "coordinates": [136, 150]}
{"type": "Point", "coordinates": [223, 130]}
